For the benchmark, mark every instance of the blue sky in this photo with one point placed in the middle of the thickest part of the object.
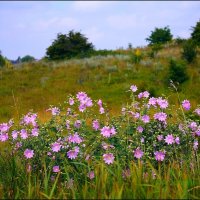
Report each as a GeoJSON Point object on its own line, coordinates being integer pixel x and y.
{"type": "Point", "coordinates": [29, 27]}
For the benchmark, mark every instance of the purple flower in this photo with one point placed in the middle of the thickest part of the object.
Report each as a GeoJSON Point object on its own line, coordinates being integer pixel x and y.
{"type": "Point", "coordinates": [35, 132]}
{"type": "Point", "coordinates": [28, 153]}
{"type": "Point", "coordinates": [193, 126]}
{"type": "Point", "coordinates": [186, 104]}
{"type": "Point", "coordinates": [108, 158]}
{"type": "Point", "coordinates": [77, 124]}
{"type": "Point", "coordinates": [74, 138]}
{"type": "Point", "coordinates": [3, 137]}
{"type": "Point", "coordinates": [101, 110]}
{"type": "Point", "coordinates": [56, 169]}
{"type": "Point", "coordinates": [55, 111]}
{"type": "Point", "coordinates": [145, 119]}
{"type": "Point", "coordinates": [81, 96]}
{"type": "Point", "coordinates": [4, 127]}
{"type": "Point", "coordinates": [169, 139]}
{"type": "Point", "coordinates": [95, 125]}
{"type": "Point", "coordinates": [67, 124]}
{"type": "Point", "coordinates": [133, 88]}
{"type": "Point", "coordinates": [159, 155]}
{"type": "Point", "coordinates": [106, 131]}
{"type": "Point", "coordinates": [138, 153]}
{"type": "Point", "coordinates": [71, 101]}
{"type": "Point", "coordinates": [91, 175]}
{"type": "Point", "coordinates": [55, 147]}
{"type": "Point", "coordinates": [163, 103]}
{"type": "Point", "coordinates": [99, 103]}
{"type": "Point", "coordinates": [159, 137]}
{"type": "Point", "coordinates": [198, 132]}
{"type": "Point", "coordinates": [195, 145]}
{"type": "Point", "coordinates": [177, 140]}
{"type": "Point", "coordinates": [146, 94]}
{"type": "Point", "coordinates": [161, 116]}
{"type": "Point", "coordinates": [30, 119]}
{"type": "Point", "coordinates": [140, 129]}
{"type": "Point", "coordinates": [152, 101]}
{"type": "Point", "coordinates": [23, 134]}
{"type": "Point", "coordinates": [140, 95]}
{"type": "Point", "coordinates": [72, 154]}
{"type": "Point", "coordinates": [14, 134]}
{"type": "Point", "coordinates": [197, 111]}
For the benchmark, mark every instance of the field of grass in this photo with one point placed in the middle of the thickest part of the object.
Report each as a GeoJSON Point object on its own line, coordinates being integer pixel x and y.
{"type": "Point", "coordinates": [35, 86]}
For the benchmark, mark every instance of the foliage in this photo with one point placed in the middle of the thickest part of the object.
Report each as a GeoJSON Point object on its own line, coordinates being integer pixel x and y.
{"type": "Point", "coordinates": [195, 35]}
{"type": "Point", "coordinates": [160, 36]}
{"type": "Point", "coordinates": [2, 61]}
{"type": "Point", "coordinates": [154, 49]}
{"type": "Point", "coordinates": [180, 40]}
{"type": "Point", "coordinates": [177, 71]}
{"type": "Point", "coordinates": [74, 44]}
{"type": "Point", "coordinates": [136, 56]}
{"type": "Point", "coordinates": [189, 51]}
{"type": "Point", "coordinates": [82, 152]}
{"type": "Point", "coordinates": [27, 58]}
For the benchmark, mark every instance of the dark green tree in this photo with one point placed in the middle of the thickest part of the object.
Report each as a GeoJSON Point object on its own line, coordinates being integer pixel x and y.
{"type": "Point", "coordinates": [27, 58]}
{"type": "Point", "coordinates": [189, 52]}
{"type": "Point", "coordinates": [195, 35]}
{"type": "Point", "coordinates": [74, 44]}
{"type": "Point", "coordinates": [2, 60]}
{"type": "Point", "coordinates": [177, 71]}
{"type": "Point", "coordinates": [160, 36]}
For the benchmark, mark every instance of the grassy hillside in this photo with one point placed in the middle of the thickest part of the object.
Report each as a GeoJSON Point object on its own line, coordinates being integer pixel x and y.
{"type": "Point", "coordinates": [37, 85]}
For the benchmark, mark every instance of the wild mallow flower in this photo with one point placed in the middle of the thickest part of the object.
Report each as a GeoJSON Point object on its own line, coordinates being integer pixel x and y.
{"type": "Point", "coordinates": [77, 124]}
{"type": "Point", "coordinates": [14, 134]}
{"type": "Point", "coordinates": [106, 131]}
{"type": "Point", "coordinates": [30, 119]}
{"type": "Point", "coordinates": [84, 100]}
{"type": "Point", "coordinates": [28, 153]}
{"type": "Point", "coordinates": [108, 158]}
{"type": "Point", "coordinates": [163, 103]}
{"type": "Point", "coordinates": [140, 129]}
{"type": "Point", "coordinates": [3, 137]}
{"type": "Point", "coordinates": [101, 110]}
{"type": "Point", "coordinates": [193, 126]}
{"type": "Point", "coordinates": [145, 119]}
{"type": "Point", "coordinates": [159, 137]}
{"type": "Point", "coordinates": [152, 101]}
{"type": "Point", "coordinates": [100, 103]}
{"type": "Point", "coordinates": [138, 153]}
{"type": "Point", "coordinates": [4, 127]}
{"type": "Point", "coordinates": [177, 140]}
{"type": "Point", "coordinates": [72, 154]}
{"type": "Point", "coordinates": [95, 125]}
{"type": "Point", "coordinates": [91, 175]}
{"type": "Point", "coordinates": [198, 132]}
{"type": "Point", "coordinates": [186, 104]}
{"type": "Point", "coordinates": [169, 139]}
{"type": "Point", "coordinates": [23, 134]}
{"type": "Point", "coordinates": [133, 88]}
{"type": "Point", "coordinates": [56, 169]}
{"type": "Point", "coordinates": [71, 101]}
{"type": "Point", "coordinates": [159, 155]}
{"type": "Point", "coordinates": [55, 147]}
{"type": "Point", "coordinates": [74, 138]}
{"type": "Point", "coordinates": [197, 111]}
{"type": "Point", "coordinates": [35, 132]}
{"type": "Point", "coordinates": [195, 145]}
{"type": "Point", "coordinates": [161, 116]}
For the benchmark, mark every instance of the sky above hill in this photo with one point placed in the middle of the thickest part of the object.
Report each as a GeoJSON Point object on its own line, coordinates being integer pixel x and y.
{"type": "Point", "coordinates": [29, 27]}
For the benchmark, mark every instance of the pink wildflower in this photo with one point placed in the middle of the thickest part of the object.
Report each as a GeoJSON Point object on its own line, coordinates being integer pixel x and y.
{"type": "Point", "coordinates": [3, 137]}
{"type": "Point", "coordinates": [75, 138]}
{"type": "Point", "coordinates": [14, 134]}
{"type": "Point", "coordinates": [145, 119]}
{"type": "Point", "coordinates": [159, 137]}
{"type": "Point", "coordinates": [91, 175]}
{"type": "Point", "coordinates": [55, 147]}
{"type": "Point", "coordinates": [163, 103]}
{"type": "Point", "coordinates": [197, 111]}
{"type": "Point", "coordinates": [152, 101]}
{"type": "Point", "coordinates": [56, 169]}
{"type": "Point", "coordinates": [133, 88]}
{"type": "Point", "coordinates": [186, 104]}
{"type": "Point", "coordinates": [28, 153]}
{"type": "Point", "coordinates": [108, 158]}
{"type": "Point", "coordinates": [195, 145]}
{"type": "Point", "coordinates": [71, 101]}
{"type": "Point", "coordinates": [140, 129]}
{"type": "Point", "coordinates": [4, 127]}
{"type": "Point", "coordinates": [138, 153]}
{"type": "Point", "coordinates": [72, 154]}
{"type": "Point", "coordinates": [169, 139]}
{"type": "Point", "coordinates": [106, 131]}
{"type": "Point", "coordinates": [99, 103]}
{"type": "Point", "coordinates": [77, 124]}
{"type": "Point", "coordinates": [161, 116]}
{"type": "Point", "coordinates": [177, 140]}
{"type": "Point", "coordinates": [23, 134]}
{"type": "Point", "coordinates": [159, 155]}
{"type": "Point", "coordinates": [101, 110]}
{"type": "Point", "coordinates": [95, 125]}
{"type": "Point", "coordinates": [35, 132]}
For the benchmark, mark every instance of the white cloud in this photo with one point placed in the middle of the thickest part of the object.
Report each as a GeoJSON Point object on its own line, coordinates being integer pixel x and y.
{"type": "Point", "coordinates": [66, 22]}
{"type": "Point", "coordinates": [89, 6]}
{"type": "Point", "coordinates": [124, 21]}
{"type": "Point", "coordinates": [93, 34]}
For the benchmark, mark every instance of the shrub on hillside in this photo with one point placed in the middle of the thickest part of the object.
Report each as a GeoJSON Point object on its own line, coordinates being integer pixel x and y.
{"type": "Point", "coordinates": [160, 36]}
{"type": "Point", "coordinates": [195, 35]}
{"type": "Point", "coordinates": [177, 71]}
{"type": "Point", "coordinates": [189, 52]}
{"type": "Point", "coordinates": [74, 44]}
{"type": "Point", "coordinates": [27, 58]}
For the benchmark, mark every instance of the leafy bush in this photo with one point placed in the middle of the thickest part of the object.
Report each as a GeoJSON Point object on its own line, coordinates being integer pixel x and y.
{"type": "Point", "coordinates": [189, 52]}
{"type": "Point", "coordinates": [27, 58]}
{"type": "Point", "coordinates": [74, 44]}
{"type": "Point", "coordinates": [136, 56]}
{"type": "Point", "coordinates": [160, 36]}
{"type": "Point", "coordinates": [180, 40]}
{"type": "Point", "coordinates": [177, 71]}
{"type": "Point", "coordinates": [195, 35]}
